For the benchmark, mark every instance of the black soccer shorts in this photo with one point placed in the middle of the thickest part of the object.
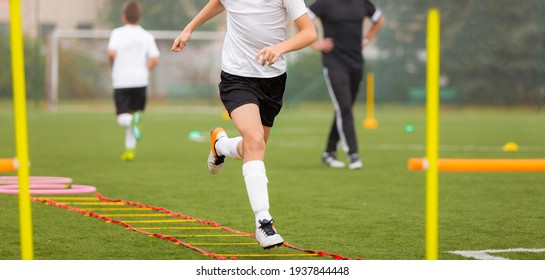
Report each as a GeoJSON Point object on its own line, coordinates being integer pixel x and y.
{"type": "Point", "coordinates": [129, 99]}
{"type": "Point", "coordinates": [266, 93]}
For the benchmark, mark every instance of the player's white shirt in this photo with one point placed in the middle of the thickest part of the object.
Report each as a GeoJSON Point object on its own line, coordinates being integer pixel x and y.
{"type": "Point", "coordinates": [133, 47]}
{"type": "Point", "coordinates": [251, 26]}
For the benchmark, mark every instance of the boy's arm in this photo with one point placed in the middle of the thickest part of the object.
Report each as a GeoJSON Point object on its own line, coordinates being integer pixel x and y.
{"type": "Point", "coordinates": [212, 9]}
{"type": "Point", "coordinates": [152, 62]}
{"type": "Point", "coordinates": [305, 36]}
{"type": "Point", "coordinates": [111, 56]}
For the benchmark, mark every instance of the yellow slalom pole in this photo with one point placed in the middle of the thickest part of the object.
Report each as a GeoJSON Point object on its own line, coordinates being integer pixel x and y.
{"type": "Point", "coordinates": [370, 121]}
{"type": "Point", "coordinates": [432, 135]}
{"type": "Point", "coordinates": [21, 133]}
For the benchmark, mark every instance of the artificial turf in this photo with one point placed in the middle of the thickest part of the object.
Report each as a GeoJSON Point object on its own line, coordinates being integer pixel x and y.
{"type": "Point", "coordinates": [375, 213]}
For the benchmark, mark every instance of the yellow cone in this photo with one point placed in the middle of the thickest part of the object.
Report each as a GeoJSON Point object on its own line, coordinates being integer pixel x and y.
{"type": "Point", "coordinates": [510, 147]}
{"type": "Point", "coordinates": [370, 123]}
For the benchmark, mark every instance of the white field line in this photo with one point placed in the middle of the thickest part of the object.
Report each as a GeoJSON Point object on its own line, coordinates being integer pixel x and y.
{"type": "Point", "coordinates": [486, 254]}
{"type": "Point", "coordinates": [101, 108]}
{"type": "Point", "coordinates": [407, 147]}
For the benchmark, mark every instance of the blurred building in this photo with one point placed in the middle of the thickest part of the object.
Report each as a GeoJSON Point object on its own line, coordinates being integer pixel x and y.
{"type": "Point", "coordinates": [39, 17]}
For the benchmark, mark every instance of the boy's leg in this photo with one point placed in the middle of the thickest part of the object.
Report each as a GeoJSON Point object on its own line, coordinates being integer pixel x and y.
{"type": "Point", "coordinates": [128, 103]}
{"type": "Point", "coordinates": [248, 121]}
{"type": "Point", "coordinates": [137, 103]}
{"type": "Point", "coordinates": [135, 126]}
{"type": "Point", "coordinates": [125, 120]}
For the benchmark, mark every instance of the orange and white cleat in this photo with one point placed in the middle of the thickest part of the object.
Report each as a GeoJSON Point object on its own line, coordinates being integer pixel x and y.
{"type": "Point", "coordinates": [215, 161]}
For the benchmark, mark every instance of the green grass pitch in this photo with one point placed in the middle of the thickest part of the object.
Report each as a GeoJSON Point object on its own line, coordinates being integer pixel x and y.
{"type": "Point", "coordinates": [374, 213]}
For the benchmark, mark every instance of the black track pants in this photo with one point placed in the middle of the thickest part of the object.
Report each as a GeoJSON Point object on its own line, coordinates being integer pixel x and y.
{"type": "Point", "coordinates": [343, 85]}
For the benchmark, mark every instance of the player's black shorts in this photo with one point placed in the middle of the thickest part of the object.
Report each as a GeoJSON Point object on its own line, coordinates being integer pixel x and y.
{"type": "Point", "coordinates": [129, 99]}
{"type": "Point", "coordinates": [266, 93]}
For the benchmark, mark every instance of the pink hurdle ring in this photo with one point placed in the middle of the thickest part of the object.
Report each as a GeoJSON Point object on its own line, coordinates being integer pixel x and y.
{"type": "Point", "coordinates": [13, 180]}
{"type": "Point", "coordinates": [49, 189]}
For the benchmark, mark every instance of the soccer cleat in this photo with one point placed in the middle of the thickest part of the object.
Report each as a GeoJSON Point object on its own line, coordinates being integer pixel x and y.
{"type": "Point", "coordinates": [215, 161]}
{"type": "Point", "coordinates": [330, 159]}
{"type": "Point", "coordinates": [135, 126]}
{"type": "Point", "coordinates": [355, 162]}
{"type": "Point", "coordinates": [128, 155]}
{"type": "Point", "coordinates": [267, 236]}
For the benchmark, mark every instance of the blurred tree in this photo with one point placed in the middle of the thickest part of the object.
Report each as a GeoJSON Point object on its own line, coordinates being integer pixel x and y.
{"type": "Point", "coordinates": [34, 69]}
{"type": "Point", "coordinates": [401, 42]}
{"type": "Point", "coordinates": [162, 15]}
{"type": "Point", "coordinates": [81, 74]}
{"type": "Point", "coordinates": [5, 66]}
{"type": "Point", "coordinates": [489, 49]}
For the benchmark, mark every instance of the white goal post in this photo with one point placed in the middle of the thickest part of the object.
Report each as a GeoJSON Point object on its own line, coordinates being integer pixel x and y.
{"type": "Point", "coordinates": [203, 54]}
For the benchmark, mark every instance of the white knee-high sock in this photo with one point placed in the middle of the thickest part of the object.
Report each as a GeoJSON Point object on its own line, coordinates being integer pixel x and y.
{"type": "Point", "coordinates": [256, 186]}
{"type": "Point", "coordinates": [130, 140]}
{"type": "Point", "coordinates": [124, 120]}
{"type": "Point", "coordinates": [228, 147]}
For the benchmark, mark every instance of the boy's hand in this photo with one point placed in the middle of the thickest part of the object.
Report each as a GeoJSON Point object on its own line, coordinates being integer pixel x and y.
{"type": "Point", "coordinates": [268, 55]}
{"type": "Point", "coordinates": [180, 42]}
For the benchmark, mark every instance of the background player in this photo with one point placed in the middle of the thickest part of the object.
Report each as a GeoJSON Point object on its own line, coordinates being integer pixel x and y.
{"type": "Point", "coordinates": [133, 54]}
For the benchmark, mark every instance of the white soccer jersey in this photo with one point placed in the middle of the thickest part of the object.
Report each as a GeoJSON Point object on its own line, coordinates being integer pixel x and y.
{"type": "Point", "coordinates": [251, 26]}
{"type": "Point", "coordinates": [133, 47]}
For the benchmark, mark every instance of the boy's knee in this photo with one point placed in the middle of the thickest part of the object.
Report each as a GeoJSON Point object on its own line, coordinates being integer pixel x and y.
{"type": "Point", "coordinates": [254, 141]}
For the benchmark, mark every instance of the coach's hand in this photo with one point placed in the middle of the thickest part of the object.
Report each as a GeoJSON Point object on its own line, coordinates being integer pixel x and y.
{"type": "Point", "coordinates": [326, 45]}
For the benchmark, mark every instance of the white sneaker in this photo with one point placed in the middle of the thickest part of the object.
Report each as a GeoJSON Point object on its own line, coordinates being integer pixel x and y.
{"type": "Point", "coordinates": [215, 162]}
{"type": "Point", "coordinates": [355, 162]}
{"type": "Point", "coordinates": [330, 159]}
{"type": "Point", "coordinates": [267, 236]}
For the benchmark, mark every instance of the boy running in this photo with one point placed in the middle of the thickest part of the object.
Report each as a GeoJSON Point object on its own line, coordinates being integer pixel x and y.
{"type": "Point", "coordinates": [252, 85]}
{"type": "Point", "coordinates": [133, 53]}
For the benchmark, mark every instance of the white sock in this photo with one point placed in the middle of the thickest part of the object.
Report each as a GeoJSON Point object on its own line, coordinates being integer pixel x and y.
{"type": "Point", "coordinates": [124, 120]}
{"type": "Point", "coordinates": [256, 186]}
{"type": "Point", "coordinates": [228, 147]}
{"type": "Point", "coordinates": [130, 140]}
